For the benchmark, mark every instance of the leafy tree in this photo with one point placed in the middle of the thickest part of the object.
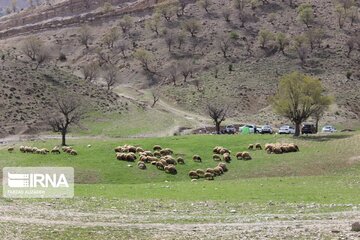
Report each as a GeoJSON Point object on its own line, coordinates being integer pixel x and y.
{"type": "Point", "coordinates": [31, 47]}
{"type": "Point", "coordinates": [167, 11]}
{"type": "Point", "coordinates": [282, 41]}
{"type": "Point", "coordinates": [90, 71]}
{"type": "Point", "coordinates": [154, 24]}
{"type": "Point", "coordinates": [217, 114]}
{"type": "Point", "coordinates": [85, 36]}
{"type": "Point", "coordinates": [264, 37]}
{"type": "Point", "coordinates": [205, 4]}
{"type": "Point", "coordinates": [185, 69]}
{"type": "Point", "coordinates": [122, 46]}
{"type": "Point", "coordinates": [111, 37]}
{"type": "Point", "coordinates": [192, 26]}
{"type": "Point", "coordinates": [145, 57]}
{"type": "Point", "coordinates": [320, 110]}
{"type": "Point", "coordinates": [298, 97]}
{"type": "Point", "coordinates": [126, 23]}
{"type": "Point", "coordinates": [301, 47]}
{"type": "Point", "coordinates": [341, 14]}
{"type": "Point", "coordinates": [306, 14]}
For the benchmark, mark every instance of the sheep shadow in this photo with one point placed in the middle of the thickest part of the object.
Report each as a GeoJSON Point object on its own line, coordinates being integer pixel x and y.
{"type": "Point", "coordinates": [324, 138]}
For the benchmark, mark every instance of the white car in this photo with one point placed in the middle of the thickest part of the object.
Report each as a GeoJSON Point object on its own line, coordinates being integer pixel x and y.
{"type": "Point", "coordinates": [328, 129]}
{"type": "Point", "coordinates": [286, 129]}
{"type": "Point", "coordinates": [250, 126]}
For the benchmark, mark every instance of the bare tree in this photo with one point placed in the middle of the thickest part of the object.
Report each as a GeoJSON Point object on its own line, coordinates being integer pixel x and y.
{"type": "Point", "coordinates": [224, 45]}
{"type": "Point", "coordinates": [182, 4]}
{"type": "Point", "coordinates": [169, 40]}
{"type": "Point", "coordinates": [31, 46]}
{"type": "Point", "coordinates": [67, 111]}
{"type": "Point", "coordinates": [111, 37]}
{"type": "Point", "coordinates": [156, 98]}
{"type": "Point", "coordinates": [173, 72]}
{"type": "Point", "coordinates": [186, 69]}
{"type": "Point", "coordinates": [126, 23]}
{"type": "Point", "coordinates": [154, 24]}
{"type": "Point", "coordinates": [111, 77]}
{"type": "Point", "coordinates": [90, 71]}
{"type": "Point", "coordinates": [13, 5]}
{"type": "Point", "coordinates": [145, 57]}
{"type": "Point", "coordinates": [122, 46]}
{"type": "Point", "coordinates": [205, 4]}
{"type": "Point", "coordinates": [85, 36]}
{"type": "Point", "coordinates": [217, 114]}
{"type": "Point", "coordinates": [180, 38]}
{"type": "Point", "coordinates": [167, 11]}
{"type": "Point", "coordinates": [41, 57]}
{"type": "Point", "coordinates": [192, 26]}
{"type": "Point", "coordinates": [350, 45]}
{"type": "Point", "coordinates": [226, 13]}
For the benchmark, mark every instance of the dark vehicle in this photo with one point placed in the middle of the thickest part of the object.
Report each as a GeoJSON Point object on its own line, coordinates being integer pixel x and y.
{"type": "Point", "coordinates": [308, 128]}
{"type": "Point", "coordinates": [230, 129]}
{"type": "Point", "coordinates": [266, 129]}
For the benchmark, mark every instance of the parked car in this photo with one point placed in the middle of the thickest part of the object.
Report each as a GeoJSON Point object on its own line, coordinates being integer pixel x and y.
{"type": "Point", "coordinates": [250, 126]}
{"type": "Point", "coordinates": [308, 128]}
{"type": "Point", "coordinates": [230, 129]}
{"type": "Point", "coordinates": [328, 129]}
{"type": "Point", "coordinates": [266, 129]}
{"type": "Point", "coordinates": [286, 129]}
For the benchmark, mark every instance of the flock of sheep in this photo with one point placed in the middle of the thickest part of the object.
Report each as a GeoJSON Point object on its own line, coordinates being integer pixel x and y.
{"type": "Point", "coordinates": [44, 151]}
{"type": "Point", "coordinates": [279, 148]}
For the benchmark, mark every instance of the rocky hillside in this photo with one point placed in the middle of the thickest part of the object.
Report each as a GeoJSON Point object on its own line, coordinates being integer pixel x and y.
{"type": "Point", "coordinates": [192, 53]}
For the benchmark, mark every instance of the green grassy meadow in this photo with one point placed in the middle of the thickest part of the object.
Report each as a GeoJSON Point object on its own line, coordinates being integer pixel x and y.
{"type": "Point", "coordinates": [326, 170]}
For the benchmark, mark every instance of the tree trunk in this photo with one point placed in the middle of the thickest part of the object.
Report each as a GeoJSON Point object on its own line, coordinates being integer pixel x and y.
{"type": "Point", "coordinates": [297, 129]}
{"type": "Point", "coordinates": [217, 126]}
{"type": "Point", "coordinates": [63, 138]}
{"type": "Point", "coordinates": [317, 125]}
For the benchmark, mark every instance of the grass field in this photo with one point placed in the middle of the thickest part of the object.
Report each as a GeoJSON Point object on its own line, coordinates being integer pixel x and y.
{"type": "Point", "coordinates": [325, 170]}
{"type": "Point", "coordinates": [313, 191]}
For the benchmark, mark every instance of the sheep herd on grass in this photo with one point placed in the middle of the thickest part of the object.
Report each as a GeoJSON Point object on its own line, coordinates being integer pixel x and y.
{"type": "Point", "coordinates": [279, 148]}
{"type": "Point", "coordinates": [44, 151]}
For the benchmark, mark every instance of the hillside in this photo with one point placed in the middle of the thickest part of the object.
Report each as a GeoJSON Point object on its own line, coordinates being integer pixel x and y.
{"type": "Point", "coordinates": [255, 69]}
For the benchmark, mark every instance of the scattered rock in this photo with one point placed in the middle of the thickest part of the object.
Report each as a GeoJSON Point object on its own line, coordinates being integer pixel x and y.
{"type": "Point", "coordinates": [355, 227]}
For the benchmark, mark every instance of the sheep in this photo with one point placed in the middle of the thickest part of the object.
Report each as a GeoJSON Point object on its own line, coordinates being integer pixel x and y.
{"type": "Point", "coordinates": [216, 157]}
{"type": "Point", "coordinates": [166, 151]}
{"type": "Point", "coordinates": [251, 147]}
{"type": "Point", "coordinates": [180, 160]}
{"type": "Point", "coordinates": [224, 150]}
{"type": "Point", "coordinates": [223, 166]}
{"type": "Point", "coordinates": [227, 157]}
{"type": "Point", "coordinates": [200, 172]}
{"type": "Point", "coordinates": [153, 163]}
{"type": "Point", "coordinates": [170, 169]}
{"type": "Point", "coordinates": [258, 146]}
{"type": "Point", "coordinates": [131, 149]}
{"type": "Point", "coordinates": [193, 175]}
{"type": "Point", "coordinates": [239, 156]}
{"type": "Point", "coordinates": [130, 157]}
{"type": "Point", "coordinates": [220, 150]}
{"type": "Point", "coordinates": [55, 150]}
{"type": "Point", "coordinates": [163, 162]}
{"type": "Point", "coordinates": [170, 160]}
{"type": "Point", "coordinates": [160, 166]}
{"type": "Point", "coordinates": [216, 150]}
{"type": "Point", "coordinates": [157, 148]}
{"type": "Point", "coordinates": [218, 171]}
{"type": "Point", "coordinates": [22, 149]}
{"type": "Point", "coordinates": [10, 149]}
{"type": "Point", "coordinates": [148, 153]}
{"type": "Point", "coordinates": [246, 156]}
{"type": "Point", "coordinates": [73, 152]}
{"type": "Point", "coordinates": [210, 170]}
{"type": "Point", "coordinates": [277, 150]}
{"type": "Point", "coordinates": [150, 159]}
{"type": "Point", "coordinates": [157, 154]}
{"type": "Point", "coordinates": [139, 150]}
{"type": "Point", "coordinates": [196, 158]}
{"type": "Point", "coordinates": [120, 156]}
{"type": "Point", "coordinates": [28, 149]}
{"type": "Point", "coordinates": [141, 165]}
{"type": "Point", "coordinates": [208, 176]}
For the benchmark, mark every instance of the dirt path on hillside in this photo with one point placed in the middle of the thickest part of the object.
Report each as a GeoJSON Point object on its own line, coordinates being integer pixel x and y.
{"type": "Point", "coordinates": [183, 224]}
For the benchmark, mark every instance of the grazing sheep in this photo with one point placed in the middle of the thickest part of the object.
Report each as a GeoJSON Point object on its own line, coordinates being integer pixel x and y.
{"type": "Point", "coordinates": [210, 170]}
{"type": "Point", "coordinates": [251, 147]}
{"type": "Point", "coordinates": [224, 150]}
{"type": "Point", "coordinates": [148, 153]}
{"type": "Point", "coordinates": [151, 159]}
{"type": "Point", "coordinates": [218, 170]}
{"type": "Point", "coordinates": [246, 156]}
{"type": "Point", "coordinates": [239, 156]}
{"type": "Point", "coordinates": [139, 150]}
{"type": "Point", "coordinates": [216, 150]}
{"type": "Point", "coordinates": [131, 149]}
{"type": "Point", "coordinates": [163, 161]}
{"type": "Point", "coordinates": [157, 148]}
{"type": "Point", "coordinates": [170, 169]}
{"type": "Point", "coordinates": [208, 176]}
{"type": "Point", "coordinates": [180, 160]}
{"type": "Point", "coordinates": [73, 152]}
{"type": "Point", "coordinates": [153, 163]}
{"type": "Point", "coordinates": [227, 157]}
{"type": "Point", "coordinates": [258, 146]}
{"type": "Point", "coordinates": [55, 150]}
{"type": "Point", "coordinates": [120, 156]}
{"type": "Point", "coordinates": [216, 157]}
{"type": "Point", "coordinates": [170, 160]}
{"type": "Point", "coordinates": [157, 154]}
{"type": "Point", "coordinates": [166, 151]}
{"type": "Point", "coordinates": [223, 166]}
{"type": "Point", "coordinates": [22, 149]}
{"type": "Point", "coordinates": [220, 150]}
{"type": "Point", "coordinates": [130, 157]}
{"type": "Point", "coordinates": [141, 166]}
{"type": "Point", "coordinates": [200, 172]}
{"type": "Point", "coordinates": [193, 175]}
{"type": "Point", "coordinates": [10, 149]}
{"type": "Point", "coordinates": [196, 158]}
{"type": "Point", "coordinates": [277, 150]}
{"type": "Point", "coordinates": [160, 166]}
